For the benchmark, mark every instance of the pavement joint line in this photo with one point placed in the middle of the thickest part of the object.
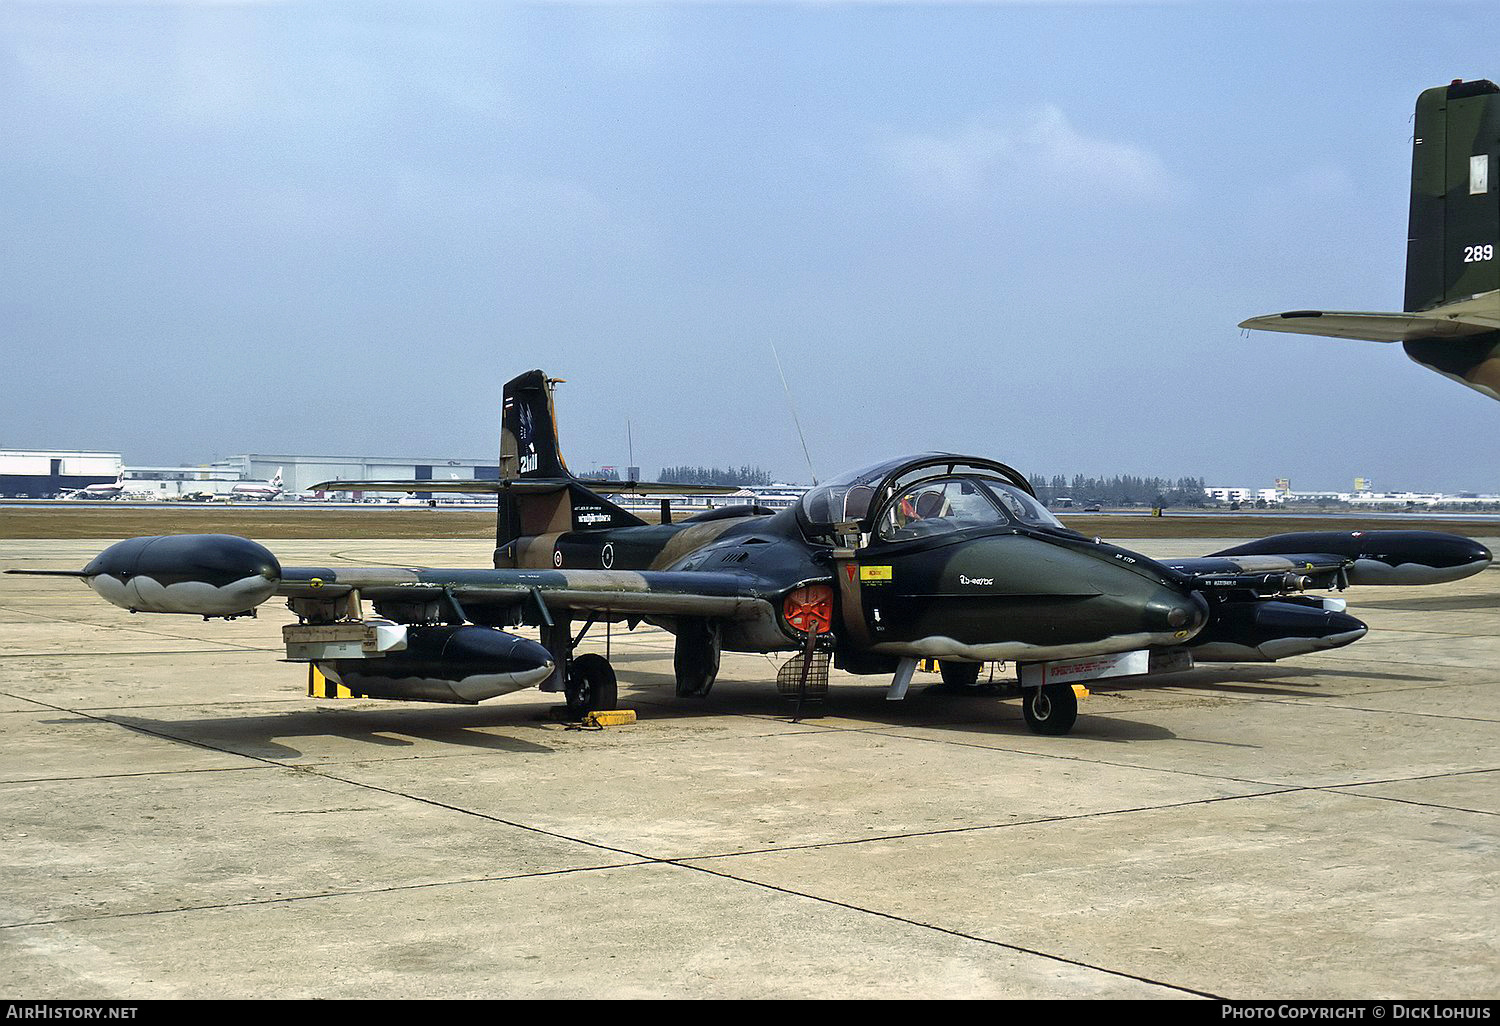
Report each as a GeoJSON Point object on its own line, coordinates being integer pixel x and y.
{"type": "Point", "coordinates": [21, 698]}
{"type": "Point", "coordinates": [978, 827]}
{"type": "Point", "coordinates": [322, 895]}
{"type": "Point", "coordinates": [874, 731]}
{"type": "Point", "coordinates": [53, 619]}
{"type": "Point", "coordinates": [644, 861]}
{"type": "Point", "coordinates": [317, 772]}
{"type": "Point", "coordinates": [146, 773]}
{"type": "Point", "coordinates": [171, 737]}
{"type": "Point", "coordinates": [160, 705]}
{"type": "Point", "coordinates": [1420, 805]}
{"type": "Point", "coordinates": [1339, 789]}
{"type": "Point", "coordinates": [1332, 702]}
{"type": "Point", "coordinates": [1408, 801]}
{"type": "Point", "coordinates": [683, 863]}
{"type": "Point", "coordinates": [1276, 787]}
{"type": "Point", "coordinates": [688, 861]}
{"type": "Point", "coordinates": [1108, 813]}
{"type": "Point", "coordinates": [1077, 758]}
{"type": "Point", "coordinates": [1021, 949]}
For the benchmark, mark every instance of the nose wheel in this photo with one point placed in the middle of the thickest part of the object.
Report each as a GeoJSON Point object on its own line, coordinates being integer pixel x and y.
{"type": "Point", "coordinates": [1051, 709]}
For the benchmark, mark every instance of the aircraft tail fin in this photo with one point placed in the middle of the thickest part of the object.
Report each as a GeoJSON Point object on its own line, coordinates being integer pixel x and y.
{"type": "Point", "coordinates": [528, 430]}
{"type": "Point", "coordinates": [1454, 228]}
{"type": "Point", "coordinates": [543, 496]}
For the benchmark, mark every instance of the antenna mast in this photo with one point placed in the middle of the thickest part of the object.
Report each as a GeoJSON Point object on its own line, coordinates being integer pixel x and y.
{"type": "Point", "coordinates": [793, 407]}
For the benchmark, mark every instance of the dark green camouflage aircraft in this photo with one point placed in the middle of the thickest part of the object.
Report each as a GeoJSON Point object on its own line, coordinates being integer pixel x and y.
{"type": "Point", "coordinates": [930, 556]}
{"type": "Point", "coordinates": [1451, 320]}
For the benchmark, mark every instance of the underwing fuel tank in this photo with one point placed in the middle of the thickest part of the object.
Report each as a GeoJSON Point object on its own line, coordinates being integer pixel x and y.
{"type": "Point", "coordinates": [461, 665]}
{"type": "Point", "coordinates": [1265, 631]}
{"type": "Point", "coordinates": [201, 574]}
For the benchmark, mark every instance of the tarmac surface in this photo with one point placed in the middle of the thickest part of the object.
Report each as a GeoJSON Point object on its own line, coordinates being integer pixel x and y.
{"type": "Point", "coordinates": [177, 820]}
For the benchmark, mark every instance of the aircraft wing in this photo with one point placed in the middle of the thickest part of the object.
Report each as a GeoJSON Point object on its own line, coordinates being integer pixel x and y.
{"type": "Point", "coordinates": [631, 592]}
{"type": "Point", "coordinates": [225, 575]}
{"type": "Point", "coordinates": [1473, 316]}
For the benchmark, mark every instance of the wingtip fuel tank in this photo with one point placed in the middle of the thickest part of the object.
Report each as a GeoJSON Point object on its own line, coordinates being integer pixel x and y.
{"type": "Point", "coordinates": [1380, 557]}
{"type": "Point", "coordinates": [199, 574]}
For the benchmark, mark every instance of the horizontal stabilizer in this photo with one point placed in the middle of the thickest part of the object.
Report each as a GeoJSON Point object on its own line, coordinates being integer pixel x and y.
{"type": "Point", "coordinates": [1460, 319]}
{"type": "Point", "coordinates": [526, 485]}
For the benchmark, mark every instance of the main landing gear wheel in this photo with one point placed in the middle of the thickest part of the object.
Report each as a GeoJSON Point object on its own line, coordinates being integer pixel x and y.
{"type": "Point", "coordinates": [695, 657]}
{"type": "Point", "coordinates": [591, 686]}
{"type": "Point", "coordinates": [967, 680]}
{"type": "Point", "coordinates": [1051, 709]}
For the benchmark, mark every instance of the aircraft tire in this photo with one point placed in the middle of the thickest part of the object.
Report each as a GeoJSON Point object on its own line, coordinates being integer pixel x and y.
{"type": "Point", "coordinates": [1051, 709]}
{"type": "Point", "coordinates": [959, 675]}
{"type": "Point", "coordinates": [695, 659]}
{"type": "Point", "coordinates": [591, 686]}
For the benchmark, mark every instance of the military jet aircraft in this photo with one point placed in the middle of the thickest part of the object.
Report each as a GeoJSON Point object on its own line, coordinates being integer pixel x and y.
{"type": "Point", "coordinates": [928, 556]}
{"type": "Point", "coordinates": [1451, 318]}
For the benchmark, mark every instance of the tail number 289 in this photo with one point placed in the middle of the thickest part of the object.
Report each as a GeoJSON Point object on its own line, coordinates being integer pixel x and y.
{"type": "Point", "coordinates": [1478, 254]}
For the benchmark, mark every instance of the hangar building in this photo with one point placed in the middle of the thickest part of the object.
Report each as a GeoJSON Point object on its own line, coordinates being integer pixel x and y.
{"type": "Point", "coordinates": [43, 473]}
{"type": "Point", "coordinates": [299, 472]}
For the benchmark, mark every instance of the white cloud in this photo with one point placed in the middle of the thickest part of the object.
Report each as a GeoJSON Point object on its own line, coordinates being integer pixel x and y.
{"type": "Point", "coordinates": [1041, 152]}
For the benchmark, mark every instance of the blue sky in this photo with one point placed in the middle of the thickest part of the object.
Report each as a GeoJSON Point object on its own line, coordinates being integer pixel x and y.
{"type": "Point", "coordinates": [1022, 230]}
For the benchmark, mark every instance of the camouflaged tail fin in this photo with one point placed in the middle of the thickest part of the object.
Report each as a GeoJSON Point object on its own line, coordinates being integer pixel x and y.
{"type": "Point", "coordinates": [528, 430]}
{"type": "Point", "coordinates": [1455, 203]}
{"type": "Point", "coordinates": [546, 498]}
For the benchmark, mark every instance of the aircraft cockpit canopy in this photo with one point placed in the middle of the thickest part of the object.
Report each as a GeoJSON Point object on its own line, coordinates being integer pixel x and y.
{"type": "Point", "coordinates": [844, 499]}
{"type": "Point", "coordinates": [952, 492]}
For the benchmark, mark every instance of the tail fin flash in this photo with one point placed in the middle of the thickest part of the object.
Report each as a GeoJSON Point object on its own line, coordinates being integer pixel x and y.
{"type": "Point", "coordinates": [1455, 205]}
{"type": "Point", "coordinates": [528, 430]}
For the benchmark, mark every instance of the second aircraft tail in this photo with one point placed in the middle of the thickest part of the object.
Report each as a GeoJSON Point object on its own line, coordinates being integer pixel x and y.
{"type": "Point", "coordinates": [1450, 321]}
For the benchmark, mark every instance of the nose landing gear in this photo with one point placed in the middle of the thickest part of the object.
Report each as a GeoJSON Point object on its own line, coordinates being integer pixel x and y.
{"type": "Point", "coordinates": [1050, 709]}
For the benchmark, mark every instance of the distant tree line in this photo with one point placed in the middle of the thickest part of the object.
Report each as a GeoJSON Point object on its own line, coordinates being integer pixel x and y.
{"type": "Point", "coordinates": [1121, 490]}
{"type": "Point", "coordinates": [733, 476]}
